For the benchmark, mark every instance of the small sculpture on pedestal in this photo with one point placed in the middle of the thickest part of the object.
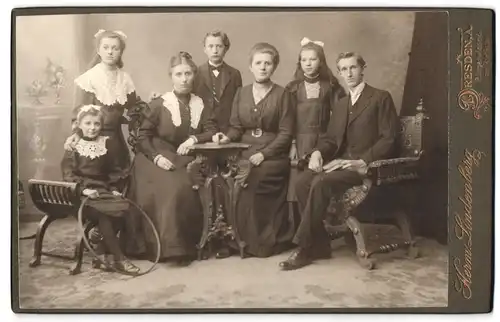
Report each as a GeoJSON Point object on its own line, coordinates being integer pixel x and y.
{"type": "Point", "coordinates": [36, 90]}
{"type": "Point", "coordinates": [55, 78]}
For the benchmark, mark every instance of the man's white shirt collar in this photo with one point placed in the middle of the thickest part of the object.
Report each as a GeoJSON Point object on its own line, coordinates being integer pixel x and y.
{"type": "Point", "coordinates": [356, 92]}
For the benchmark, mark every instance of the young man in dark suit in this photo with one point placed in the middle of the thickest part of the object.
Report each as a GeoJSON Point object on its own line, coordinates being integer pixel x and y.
{"type": "Point", "coordinates": [362, 129]}
{"type": "Point", "coordinates": [216, 82]}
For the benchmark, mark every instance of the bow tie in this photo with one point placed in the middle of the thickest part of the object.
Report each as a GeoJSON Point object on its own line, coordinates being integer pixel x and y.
{"type": "Point", "coordinates": [218, 68]}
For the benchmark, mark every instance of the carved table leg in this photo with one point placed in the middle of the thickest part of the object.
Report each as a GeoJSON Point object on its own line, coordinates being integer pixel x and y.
{"type": "Point", "coordinates": [205, 193]}
{"type": "Point", "coordinates": [235, 185]}
{"type": "Point", "coordinates": [219, 197]}
{"type": "Point", "coordinates": [360, 237]}
{"type": "Point", "coordinates": [40, 233]}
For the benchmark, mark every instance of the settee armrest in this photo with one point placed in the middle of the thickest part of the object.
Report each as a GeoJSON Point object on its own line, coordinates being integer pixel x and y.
{"type": "Point", "coordinates": [393, 170]}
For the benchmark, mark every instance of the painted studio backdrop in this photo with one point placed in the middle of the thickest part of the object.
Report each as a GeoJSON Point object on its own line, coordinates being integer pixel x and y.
{"type": "Point", "coordinates": [53, 50]}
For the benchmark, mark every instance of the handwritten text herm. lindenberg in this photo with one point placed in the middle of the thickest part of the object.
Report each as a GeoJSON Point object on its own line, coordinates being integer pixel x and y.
{"type": "Point", "coordinates": [463, 224]}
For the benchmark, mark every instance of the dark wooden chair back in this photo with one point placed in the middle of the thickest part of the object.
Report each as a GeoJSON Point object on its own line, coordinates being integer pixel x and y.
{"type": "Point", "coordinates": [55, 197]}
{"type": "Point", "coordinates": [136, 116]}
{"type": "Point", "coordinates": [410, 136]}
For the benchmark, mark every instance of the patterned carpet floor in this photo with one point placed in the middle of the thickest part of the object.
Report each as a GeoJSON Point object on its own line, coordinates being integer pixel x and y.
{"type": "Point", "coordinates": [339, 282]}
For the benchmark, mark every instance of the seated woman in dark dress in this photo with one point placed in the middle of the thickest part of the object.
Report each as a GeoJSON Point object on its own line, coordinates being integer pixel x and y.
{"type": "Point", "coordinates": [160, 183]}
{"type": "Point", "coordinates": [264, 117]}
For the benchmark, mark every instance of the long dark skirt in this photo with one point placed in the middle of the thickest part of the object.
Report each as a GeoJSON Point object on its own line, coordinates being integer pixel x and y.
{"type": "Point", "coordinates": [174, 207]}
{"type": "Point", "coordinates": [262, 215]}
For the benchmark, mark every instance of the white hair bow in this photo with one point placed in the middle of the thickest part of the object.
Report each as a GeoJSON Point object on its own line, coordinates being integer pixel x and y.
{"type": "Point", "coordinates": [306, 40]}
{"type": "Point", "coordinates": [118, 32]}
{"type": "Point", "coordinates": [86, 108]}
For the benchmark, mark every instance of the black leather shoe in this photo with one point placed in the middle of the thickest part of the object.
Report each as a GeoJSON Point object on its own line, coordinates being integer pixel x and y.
{"type": "Point", "coordinates": [126, 267]}
{"type": "Point", "coordinates": [105, 263]}
{"type": "Point", "coordinates": [223, 253]}
{"type": "Point", "coordinates": [182, 261]}
{"type": "Point", "coordinates": [299, 258]}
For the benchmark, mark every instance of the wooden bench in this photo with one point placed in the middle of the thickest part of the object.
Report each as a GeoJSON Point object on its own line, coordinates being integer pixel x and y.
{"type": "Point", "coordinates": [57, 200]}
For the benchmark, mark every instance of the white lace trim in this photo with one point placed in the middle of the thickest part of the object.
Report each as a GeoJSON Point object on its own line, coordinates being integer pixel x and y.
{"type": "Point", "coordinates": [92, 149]}
{"type": "Point", "coordinates": [312, 89]}
{"type": "Point", "coordinates": [98, 81]}
{"type": "Point", "coordinates": [171, 102]}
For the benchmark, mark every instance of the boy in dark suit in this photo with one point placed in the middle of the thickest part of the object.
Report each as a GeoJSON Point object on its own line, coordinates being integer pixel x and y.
{"type": "Point", "coordinates": [216, 82]}
{"type": "Point", "coordinates": [362, 129]}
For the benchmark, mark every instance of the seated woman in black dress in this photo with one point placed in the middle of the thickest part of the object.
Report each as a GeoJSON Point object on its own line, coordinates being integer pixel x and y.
{"type": "Point", "coordinates": [264, 117]}
{"type": "Point", "coordinates": [160, 183]}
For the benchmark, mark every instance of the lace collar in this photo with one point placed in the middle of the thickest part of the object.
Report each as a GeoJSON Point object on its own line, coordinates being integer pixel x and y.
{"type": "Point", "coordinates": [92, 149]}
{"type": "Point", "coordinates": [99, 81]}
{"type": "Point", "coordinates": [171, 102]}
{"type": "Point", "coordinates": [312, 89]}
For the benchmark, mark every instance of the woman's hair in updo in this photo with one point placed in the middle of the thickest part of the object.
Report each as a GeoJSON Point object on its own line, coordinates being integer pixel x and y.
{"type": "Point", "coordinates": [182, 58]}
{"type": "Point", "coordinates": [265, 48]}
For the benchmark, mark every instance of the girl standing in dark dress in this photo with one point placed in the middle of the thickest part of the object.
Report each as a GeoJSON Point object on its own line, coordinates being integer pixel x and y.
{"type": "Point", "coordinates": [107, 85]}
{"type": "Point", "coordinates": [160, 183]}
{"type": "Point", "coordinates": [314, 91]}
{"type": "Point", "coordinates": [91, 164]}
{"type": "Point", "coordinates": [264, 117]}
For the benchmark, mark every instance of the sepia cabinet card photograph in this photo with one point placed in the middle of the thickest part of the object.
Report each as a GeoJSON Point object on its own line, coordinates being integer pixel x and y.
{"type": "Point", "coordinates": [266, 159]}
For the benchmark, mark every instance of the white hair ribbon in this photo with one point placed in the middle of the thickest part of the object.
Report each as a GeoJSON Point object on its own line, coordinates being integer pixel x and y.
{"type": "Point", "coordinates": [87, 108]}
{"type": "Point", "coordinates": [306, 41]}
{"type": "Point", "coordinates": [118, 32]}
{"type": "Point", "coordinates": [99, 33]}
{"type": "Point", "coordinates": [121, 34]}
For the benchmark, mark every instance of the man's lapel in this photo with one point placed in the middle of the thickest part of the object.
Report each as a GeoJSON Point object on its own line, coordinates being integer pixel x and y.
{"type": "Point", "coordinates": [362, 103]}
{"type": "Point", "coordinates": [225, 77]}
{"type": "Point", "coordinates": [340, 118]}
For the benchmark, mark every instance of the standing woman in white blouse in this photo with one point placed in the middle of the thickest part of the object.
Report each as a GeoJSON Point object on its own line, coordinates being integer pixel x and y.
{"type": "Point", "coordinates": [107, 85]}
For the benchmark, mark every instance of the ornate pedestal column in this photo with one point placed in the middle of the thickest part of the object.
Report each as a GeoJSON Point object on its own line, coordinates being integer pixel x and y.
{"type": "Point", "coordinates": [219, 175]}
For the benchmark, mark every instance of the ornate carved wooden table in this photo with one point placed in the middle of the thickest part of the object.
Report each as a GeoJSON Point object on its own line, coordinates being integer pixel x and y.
{"type": "Point", "coordinates": [219, 177]}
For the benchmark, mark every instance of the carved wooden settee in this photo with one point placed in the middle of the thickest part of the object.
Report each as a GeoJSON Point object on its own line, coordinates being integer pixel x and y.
{"type": "Point", "coordinates": [387, 190]}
